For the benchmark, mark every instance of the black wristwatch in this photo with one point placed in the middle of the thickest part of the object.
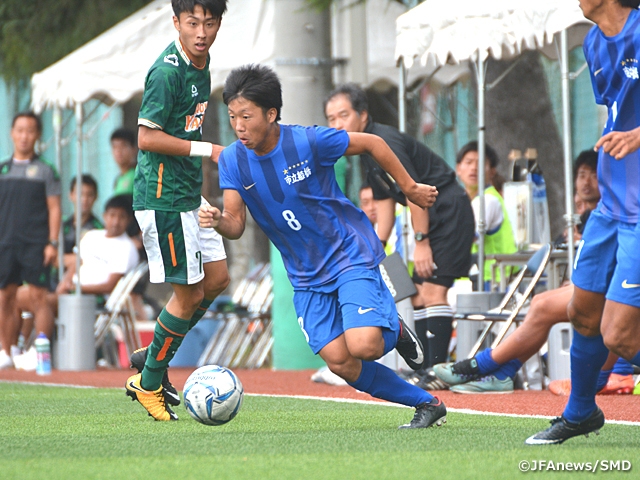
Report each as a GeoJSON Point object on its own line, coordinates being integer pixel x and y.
{"type": "Point", "coordinates": [419, 236]}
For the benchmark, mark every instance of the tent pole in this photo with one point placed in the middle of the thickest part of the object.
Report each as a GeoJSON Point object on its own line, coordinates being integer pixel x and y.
{"type": "Point", "coordinates": [402, 126]}
{"type": "Point", "coordinates": [57, 135]}
{"type": "Point", "coordinates": [566, 139]}
{"type": "Point", "coordinates": [78, 207]}
{"type": "Point", "coordinates": [480, 75]}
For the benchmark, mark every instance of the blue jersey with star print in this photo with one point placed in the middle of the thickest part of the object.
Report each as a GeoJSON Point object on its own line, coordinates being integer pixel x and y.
{"type": "Point", "coordinates": [292, 194]}
{"type": "Point", "coordinates": [614, 67]}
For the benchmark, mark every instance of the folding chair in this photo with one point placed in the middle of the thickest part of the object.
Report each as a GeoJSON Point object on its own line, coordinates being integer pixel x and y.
{"type": "Point", "coordinates": [119, 309]}
{"type": "Point", "coordinates": [533, 270]}
{"type": "Point", "coordinates": [244, 340]}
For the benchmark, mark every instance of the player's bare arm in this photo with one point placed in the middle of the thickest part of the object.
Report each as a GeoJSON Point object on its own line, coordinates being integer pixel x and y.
{"type": "Point", "coordinates": [154, 140]}
{"type": "Point", "coordinates": [619, 144]}
{"type": "Point", "coordinates": [422, 255]}
{"type": "Point", "coordinates": [229, 223]}
{"type": "Point", "coordinates": [420, 194]}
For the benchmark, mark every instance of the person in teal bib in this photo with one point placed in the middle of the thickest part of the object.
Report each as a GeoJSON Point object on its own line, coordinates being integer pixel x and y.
{"type": "Point", "coordinates": [499, 235]}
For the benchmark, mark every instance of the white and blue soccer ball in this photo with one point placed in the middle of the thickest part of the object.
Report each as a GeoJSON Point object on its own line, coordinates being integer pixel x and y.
{"type": "Point", "coordinates": [213, 395]}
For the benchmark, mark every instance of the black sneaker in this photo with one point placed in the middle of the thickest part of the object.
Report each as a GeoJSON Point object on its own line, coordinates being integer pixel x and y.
{"type": "Point", "coordinates": [459, 372]}
{"type": "Point", "coordinates": [428, 414]}
{"type": "Point", "coordinates": [138, 358]}
{"type": "Point", "coordinates": [409, 347]}
{"type": "Point", "coordinates": [561, 429]}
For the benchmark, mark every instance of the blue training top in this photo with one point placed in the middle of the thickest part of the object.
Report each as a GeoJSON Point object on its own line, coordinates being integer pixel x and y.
{"type": "Point", "coordinates": [293, 195]}
{"type": "Point", "coordinates": [613, 64]}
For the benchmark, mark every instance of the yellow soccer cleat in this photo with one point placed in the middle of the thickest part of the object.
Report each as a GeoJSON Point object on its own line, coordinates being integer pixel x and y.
{"type": "Point", "coordinates": [153, 402]}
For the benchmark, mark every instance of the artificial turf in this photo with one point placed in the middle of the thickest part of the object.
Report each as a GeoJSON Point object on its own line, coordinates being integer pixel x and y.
{"type": "Point", "coordinates": [67, 433]}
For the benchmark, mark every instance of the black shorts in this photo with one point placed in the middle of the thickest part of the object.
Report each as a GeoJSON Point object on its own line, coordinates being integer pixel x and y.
{"type": "Point", "coordinates": [451, 233]}
{"type": "Point", "coordinates": [23, 263]}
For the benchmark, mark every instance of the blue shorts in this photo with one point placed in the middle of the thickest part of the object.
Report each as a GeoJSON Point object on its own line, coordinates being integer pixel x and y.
{"type": "Point", "coordinates": [608, 259]}
{"type": "Point", "coordinates": [358, 298]}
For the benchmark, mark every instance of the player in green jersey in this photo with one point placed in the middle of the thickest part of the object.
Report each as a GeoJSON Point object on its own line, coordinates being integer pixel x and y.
{"type": "Point", "coordinates": [167, 197]}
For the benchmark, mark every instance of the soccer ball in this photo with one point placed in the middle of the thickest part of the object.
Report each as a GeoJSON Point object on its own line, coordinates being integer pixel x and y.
{"type": "Point", "coordinates": [213, 395]}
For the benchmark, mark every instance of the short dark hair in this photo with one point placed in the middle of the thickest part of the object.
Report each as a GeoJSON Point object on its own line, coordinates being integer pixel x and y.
{"type": "Point", "coordinates": [629, 3]}
{"type": "Point", "coordinates": [489, 153]}
{"type": "Point", "coordinates": [356, 95]}
{"type": "Point", "coordinates": [586, 157]}
{"type": "Point", "coordinates": [28, 114]}
{"type": "Point", "coordinates": [124, 202]}
{"type": "Point", "coordinates": [216, 7]}
{"type": "Point", "coordinates": [86, 179]}
{"type": "Point", "coordinates": [258, 84]}
{"type": "Point", "coordinates": [125, 134]}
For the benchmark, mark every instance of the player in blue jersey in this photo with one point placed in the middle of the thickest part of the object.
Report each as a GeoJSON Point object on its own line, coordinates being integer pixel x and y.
{"type": "Point", "coordinates": [605, 308]}
{"type": "Point", "coordinates": [284, 175]}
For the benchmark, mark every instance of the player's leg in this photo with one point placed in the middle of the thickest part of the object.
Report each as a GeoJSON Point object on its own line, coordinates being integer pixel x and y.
{"type": "Point", "coordinates": [593, 271]}
{"type": "Point", "coordinates": [216, 274]}
{"type": "Point", "coordinates": [370, 333]}
{"type": "Point", "coordinates": [172, 244]}
{"type": "Point", "coordinates": [9, 323]}
{"type": "Point", "coordinates": [547, 309]}
{"type": "Point", "coordinates": [621, 317]}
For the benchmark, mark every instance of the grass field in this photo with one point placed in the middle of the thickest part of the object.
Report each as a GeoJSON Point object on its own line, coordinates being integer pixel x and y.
{"type": "Point", "coordinates": [58, 432]}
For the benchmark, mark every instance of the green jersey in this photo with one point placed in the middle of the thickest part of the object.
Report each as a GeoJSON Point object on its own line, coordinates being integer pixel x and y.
{"type": "Point", "coordinates": [124, 183]}
{"type": "Point", "coordinates": [175, 99]}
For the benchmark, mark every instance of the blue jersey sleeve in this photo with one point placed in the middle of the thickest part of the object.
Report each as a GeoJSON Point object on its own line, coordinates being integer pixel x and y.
{"type": "Point", "coordinates": [331, 145]}
{"type": "Point", "coordinates": [225, 175]}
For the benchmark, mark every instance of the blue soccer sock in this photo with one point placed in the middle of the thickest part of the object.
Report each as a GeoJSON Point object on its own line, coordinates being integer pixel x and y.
{"type": "Point", "coordinates": [588, 354]}
{"type": "Point", "coordinates": [603, 378]}
{"type": "Point", "coordinates": [488, 366]}
{"type": "Point", "coordinates": [622, 367]}
{"type": "Point", "coordinates": [390, 339]}
{"type": "Point", "coordinates": [636, 360]}
{"type": "Point", "coordinates": [382, 382]}
{"type": "Point", "coordinates": [508, 370]}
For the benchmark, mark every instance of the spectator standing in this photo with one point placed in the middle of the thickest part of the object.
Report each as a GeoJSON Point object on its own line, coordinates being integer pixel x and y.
{"type": "Point", "coordinates": [499, 234]}
{"type": "Point", "coordinates": [29, 226]}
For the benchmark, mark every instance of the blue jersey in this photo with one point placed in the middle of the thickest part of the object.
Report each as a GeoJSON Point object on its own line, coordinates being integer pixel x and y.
{"type": "Point", "coordinates": [293, 195]}
{"type": "Point", "coordinates": [613, 64]}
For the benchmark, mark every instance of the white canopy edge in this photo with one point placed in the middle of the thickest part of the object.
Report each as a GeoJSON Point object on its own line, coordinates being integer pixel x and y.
{"type": "Point", "coordinates": [435, 35]}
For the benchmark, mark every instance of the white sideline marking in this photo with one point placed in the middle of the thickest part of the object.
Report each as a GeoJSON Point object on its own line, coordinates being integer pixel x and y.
{"type": "Point", "coordinates": [347, 400]}
{"type": "Point", "coordinates": [455, 410]}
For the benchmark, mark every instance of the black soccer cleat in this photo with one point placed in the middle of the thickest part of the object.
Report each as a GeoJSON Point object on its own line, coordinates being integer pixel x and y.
{"type": "Point", "coordinates": [409, 346]}
{"type": "Point", "coordinates": [561, 429]}
{"type": "Point", "coordinates": [428, 414]}
{"type": "Point", "coordinates": [138, 359]}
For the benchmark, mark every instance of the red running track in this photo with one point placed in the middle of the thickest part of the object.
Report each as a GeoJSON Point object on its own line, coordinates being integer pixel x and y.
{"type": "Point", "coordinates": [265, 381]}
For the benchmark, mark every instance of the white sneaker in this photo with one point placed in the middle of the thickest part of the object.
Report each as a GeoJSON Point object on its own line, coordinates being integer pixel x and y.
{"type": "Point", "coordinates": [15, 350]}
{"type": "Point", "coordinates": [5, 360]}
{"type": "Point", "coordinates": [324, 375]}
{"type": "Point", "coordinates": [28, 361]}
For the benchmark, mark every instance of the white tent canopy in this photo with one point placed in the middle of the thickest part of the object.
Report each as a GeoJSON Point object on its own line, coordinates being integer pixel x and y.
{"type": "Point", "coordinates": [112, 67]}
{"type": "Point", "coordinates": [438, 32]}
{"type": "Point", "coordinates": [442, 32]}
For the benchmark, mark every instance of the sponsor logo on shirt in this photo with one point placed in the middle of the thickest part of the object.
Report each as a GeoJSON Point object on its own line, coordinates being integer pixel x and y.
{"type": "Point", "coordinates": [194, 122]}
{"type": "Point", "coordinates": [32, 171]}
{"type": "Point", "coordinates": [194, 91]}
{"type": "Point", "coordinates": [297, 173]}
{"type": "Point", "coordinates": [172, 59]}
{"type": "Point", "coordinates": [630, 68]}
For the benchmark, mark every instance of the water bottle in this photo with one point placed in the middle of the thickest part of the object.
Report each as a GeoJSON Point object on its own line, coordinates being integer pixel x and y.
{"type": "Point", "coordinates": [43, 350]}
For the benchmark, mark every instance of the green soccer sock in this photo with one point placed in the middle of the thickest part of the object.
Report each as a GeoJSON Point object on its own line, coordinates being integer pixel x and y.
{"type": "Point", "coordinates": [168, 336]}
{"type": "Point", "coordinates": [202, 309]}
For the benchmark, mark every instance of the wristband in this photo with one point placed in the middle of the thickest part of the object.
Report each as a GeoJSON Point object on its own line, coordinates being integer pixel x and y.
{"type": "Point", "coordinates": [201, 149]}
